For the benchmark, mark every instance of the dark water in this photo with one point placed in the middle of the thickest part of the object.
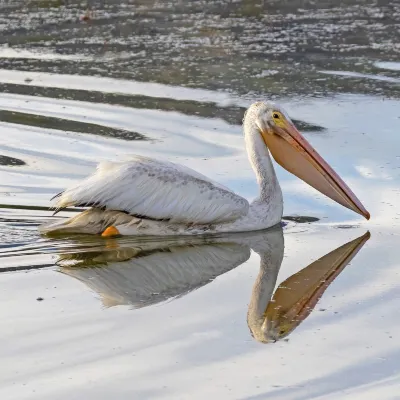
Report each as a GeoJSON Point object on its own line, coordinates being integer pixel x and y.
{"type": "Point", "coordinates": [255, 48]}
{"type": "Point", "coordinates": [307, 312]}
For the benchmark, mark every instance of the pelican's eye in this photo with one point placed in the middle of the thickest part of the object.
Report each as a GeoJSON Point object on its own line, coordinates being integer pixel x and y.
{"type": "Point", "coordinates": [279, 119]}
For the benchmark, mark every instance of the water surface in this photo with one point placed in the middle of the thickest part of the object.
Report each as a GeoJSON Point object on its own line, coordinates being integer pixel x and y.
{"type": "Point", "coordinates": [314, 317]}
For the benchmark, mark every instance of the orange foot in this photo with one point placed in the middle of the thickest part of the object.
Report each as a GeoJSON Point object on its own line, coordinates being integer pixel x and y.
{"type": "Point", "coordinates": [110, 231]}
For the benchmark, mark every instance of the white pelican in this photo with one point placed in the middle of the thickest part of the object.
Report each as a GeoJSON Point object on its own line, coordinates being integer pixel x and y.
{"type": "Point", "coordinates": [145, 196]}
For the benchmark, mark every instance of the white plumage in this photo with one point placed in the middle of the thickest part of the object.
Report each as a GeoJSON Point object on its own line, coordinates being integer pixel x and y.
{"type": "Point", "coordinates": [157, 190]}
{"type": "Point", "coordinates": [145, 196]}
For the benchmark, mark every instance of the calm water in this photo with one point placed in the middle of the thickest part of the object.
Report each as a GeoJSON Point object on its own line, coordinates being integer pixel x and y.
{"type": "Point", "coordinates": [309, 311]}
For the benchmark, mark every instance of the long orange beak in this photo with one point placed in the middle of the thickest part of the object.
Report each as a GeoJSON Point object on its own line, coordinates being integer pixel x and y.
{"type": "Point", "coordinates": [293, 152]}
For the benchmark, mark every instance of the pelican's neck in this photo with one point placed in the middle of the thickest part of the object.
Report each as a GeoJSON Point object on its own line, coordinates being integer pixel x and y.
{"type": "Point", "coordinates": [260, 160]}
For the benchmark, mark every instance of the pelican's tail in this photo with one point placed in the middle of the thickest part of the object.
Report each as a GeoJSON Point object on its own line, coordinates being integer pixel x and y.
{"type": "Point", "coordinates": [92, 221]}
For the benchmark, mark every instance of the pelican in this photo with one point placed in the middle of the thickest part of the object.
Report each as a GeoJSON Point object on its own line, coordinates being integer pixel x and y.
{"type": "Point", "coordinates": [145, 196]}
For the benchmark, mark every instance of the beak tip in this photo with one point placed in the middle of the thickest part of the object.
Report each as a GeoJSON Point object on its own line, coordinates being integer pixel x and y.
{"type": "Point", "coordinates": [367, 215]}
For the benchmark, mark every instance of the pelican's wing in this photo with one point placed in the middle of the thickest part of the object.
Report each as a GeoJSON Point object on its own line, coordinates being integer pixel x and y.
{"type": "Point", "coordinates": [158, 190]}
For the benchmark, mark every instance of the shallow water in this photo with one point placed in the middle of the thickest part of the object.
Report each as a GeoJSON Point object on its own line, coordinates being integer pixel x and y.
{"type": "Point", "coordinates": [84, 317]}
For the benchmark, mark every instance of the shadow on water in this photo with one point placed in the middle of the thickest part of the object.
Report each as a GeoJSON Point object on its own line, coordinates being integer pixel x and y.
{"type": "Point", "coordinates": [231, 114]}
{"type": "Point", "coordinates": [13, 117]}
{"type": "Point", "coordinates": [11, 161]}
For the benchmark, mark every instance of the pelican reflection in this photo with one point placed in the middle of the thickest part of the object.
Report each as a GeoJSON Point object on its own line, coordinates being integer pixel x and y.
{"type": "Point", "coordinates": [141, 273]}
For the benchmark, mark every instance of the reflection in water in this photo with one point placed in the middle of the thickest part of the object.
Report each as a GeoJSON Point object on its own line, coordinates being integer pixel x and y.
{"type": "Point", "coordinates": [143, 273]}
{"type": "Point", "coordinates": [295, 298]}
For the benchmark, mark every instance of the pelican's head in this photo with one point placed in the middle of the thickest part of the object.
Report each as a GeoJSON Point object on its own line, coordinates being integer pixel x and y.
{"type": "Point", "coordinates": [293, 152]}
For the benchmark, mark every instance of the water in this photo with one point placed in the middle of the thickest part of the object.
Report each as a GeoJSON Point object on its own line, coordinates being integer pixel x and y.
{"type": "Point", "coordinates": [84, 317]}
